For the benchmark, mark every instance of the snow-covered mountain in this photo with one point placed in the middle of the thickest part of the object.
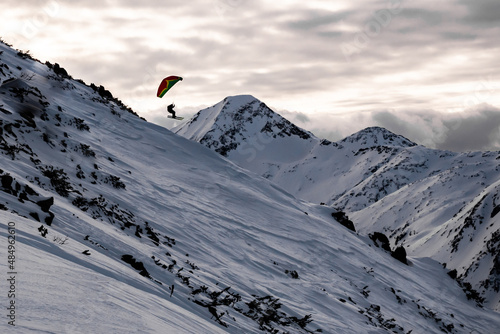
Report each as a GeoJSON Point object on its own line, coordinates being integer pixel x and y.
{"type": "Point", "coordinates": [437, 204]}
{"type": "Point", "coordinates": [111, 224]}
{"type": "Point", "coordinates": [247, 132]}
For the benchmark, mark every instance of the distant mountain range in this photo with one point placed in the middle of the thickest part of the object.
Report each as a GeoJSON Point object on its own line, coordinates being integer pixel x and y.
{"type": "Point", "coordinates": [111, 224]}
{"type": "Point", "coordinates": [436, 203]}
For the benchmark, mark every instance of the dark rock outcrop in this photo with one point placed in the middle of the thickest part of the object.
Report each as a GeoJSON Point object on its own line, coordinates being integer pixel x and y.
{"type": "Point", "coordinates": [400, 254]}
{"type": "Point", "coordinates": [380, 240]}
{"type": "Point", "coordinates": [344, 220]}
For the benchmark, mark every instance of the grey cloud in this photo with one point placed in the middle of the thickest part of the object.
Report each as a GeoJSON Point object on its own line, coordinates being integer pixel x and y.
{"type": "Point", "coordinates": [303, 81]}
{"type": "Point", "coordinates": [470, 130]}
{"type": "Point", "coordinates": [293, 117]}
{"type": "Point", "coordinates": [332, 34]}
{"type": "Point", "coordinates": [315, 19]}
{"type": "Point", "coordinates": [391, 121]}
{"type": "Point", "coordinates": [422, 127]}
{"type": "Point", "coordinates": [428, 17]}
{"type": "Point", "coordinates": [477, 132]}
{"type": "Point", "coordinates": [482, 13]}
{"type": "Point", "coordinates": [458, 35]}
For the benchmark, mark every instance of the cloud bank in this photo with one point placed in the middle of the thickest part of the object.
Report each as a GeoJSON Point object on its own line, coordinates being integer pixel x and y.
{"type": "Point", "coordinates": [476, 129]}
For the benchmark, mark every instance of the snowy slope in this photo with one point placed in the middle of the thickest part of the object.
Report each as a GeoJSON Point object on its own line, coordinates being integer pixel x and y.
{"type": "Point", "coordinates": [451, 217]}
{"type": "Point", "coordinates": [121, 226]}
{"type": "Point", "coordinates": [420, 198]}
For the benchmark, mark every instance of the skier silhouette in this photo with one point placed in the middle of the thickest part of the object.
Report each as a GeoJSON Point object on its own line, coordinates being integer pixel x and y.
{"type": "Point", "coordinates": [171, 110]}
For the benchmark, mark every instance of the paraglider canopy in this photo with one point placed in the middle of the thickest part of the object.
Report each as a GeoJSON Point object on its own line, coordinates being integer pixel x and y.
{"type": "Point", "coordinates": [166, 84]}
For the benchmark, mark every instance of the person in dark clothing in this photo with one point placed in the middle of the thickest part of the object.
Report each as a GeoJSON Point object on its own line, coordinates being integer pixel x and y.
{"type": "Point", "coordinates": [171, 110]}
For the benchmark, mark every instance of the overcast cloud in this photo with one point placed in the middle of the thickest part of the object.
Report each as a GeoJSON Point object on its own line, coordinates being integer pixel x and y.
{"type": "Point", "coordinates": [428, 70]}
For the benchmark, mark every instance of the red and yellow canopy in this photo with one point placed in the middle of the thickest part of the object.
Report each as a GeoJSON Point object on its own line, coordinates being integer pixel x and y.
{"type": "Point", "coordinates": [166, 84]}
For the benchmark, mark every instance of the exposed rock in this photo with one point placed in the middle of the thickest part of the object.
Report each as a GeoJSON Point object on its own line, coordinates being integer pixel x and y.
{"type": "Point", "coordinates": [137, 265]}
{"type": "Point", "coordinates": [452, 273]}
{"type": "Point", "coordinates": [380, 240]}
{"type": "Point", "coordinates": [45, 204]}
{"type": "Point", "coordinates": [400, 254]}
{"type": "Point", "coordinates": [344, 220]}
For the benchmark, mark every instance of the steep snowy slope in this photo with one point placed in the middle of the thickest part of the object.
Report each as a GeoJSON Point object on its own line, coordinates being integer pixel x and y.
{"type": "Point", "coordinates": [110, 224]}
{"type": "Point", "coordinates": [451, 217]}
{"type": "Point", "coordinates": [385, 182]}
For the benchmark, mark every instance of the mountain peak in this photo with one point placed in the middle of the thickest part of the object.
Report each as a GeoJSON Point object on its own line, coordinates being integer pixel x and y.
{"type": "Point", "coordinates": [377, 136]}
{"type": "Point", "coordinates": [236, 120]}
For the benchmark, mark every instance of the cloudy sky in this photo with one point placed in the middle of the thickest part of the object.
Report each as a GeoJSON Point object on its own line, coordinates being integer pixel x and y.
{"type": "Point", "coordinates": [428, 70]}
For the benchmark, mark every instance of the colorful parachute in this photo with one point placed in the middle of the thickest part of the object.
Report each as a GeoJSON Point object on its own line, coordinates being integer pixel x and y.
{"type": "Point", "coordinates": [166, 84]}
